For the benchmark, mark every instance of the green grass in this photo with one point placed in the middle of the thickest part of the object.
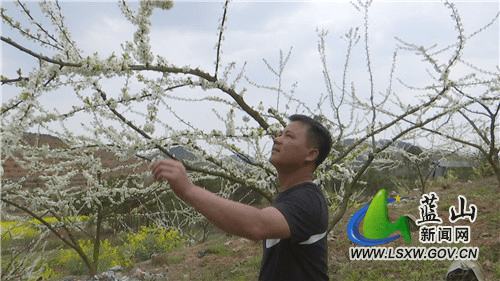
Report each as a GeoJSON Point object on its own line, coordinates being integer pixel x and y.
{"type": "Point", "coordinates": [175, 259]}
{"type": "Point", "coordinates": [220, 250]}
{"type": "Point", "coordinates": [228, 265]}
{"type": "Point", "coordinates": [247, 269]}
{"type": "Point", "coordinates": [388, 270]}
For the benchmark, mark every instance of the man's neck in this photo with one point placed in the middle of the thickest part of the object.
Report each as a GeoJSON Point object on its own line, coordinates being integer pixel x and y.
{"type": "Point", "coordinates": [290, 179]}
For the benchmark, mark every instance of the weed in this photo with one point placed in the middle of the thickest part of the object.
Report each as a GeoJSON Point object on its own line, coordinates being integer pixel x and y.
{"type": "Point", "coordinates": [220, 250]}
{"type": "Point", "coordinates": [31, 228]}
{"type": "Point", "coordinates": [176, 259]}
{"type": "Point", "coordinates": [382, 270]}
{"type": "Point", "coordinates": [446, 206]}
{"type": "Point", "coordinates": [109, 256]}
{"type": "Point", "coordinates": [153, 240]}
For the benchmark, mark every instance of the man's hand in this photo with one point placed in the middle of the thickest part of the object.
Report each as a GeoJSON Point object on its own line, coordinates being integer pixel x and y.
{"type": "Point", "coordinates": [174, 172]}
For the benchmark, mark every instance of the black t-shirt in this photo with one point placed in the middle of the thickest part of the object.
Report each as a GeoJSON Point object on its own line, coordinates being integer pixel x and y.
{"type": "Point", "coordinates": [303, 256]}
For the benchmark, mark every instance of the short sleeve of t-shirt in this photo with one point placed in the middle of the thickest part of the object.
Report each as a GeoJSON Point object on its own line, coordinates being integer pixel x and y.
{"type": "Point", "coordinates": [303, 256]}
{"type": "Point", "coordinates": [304, 209]}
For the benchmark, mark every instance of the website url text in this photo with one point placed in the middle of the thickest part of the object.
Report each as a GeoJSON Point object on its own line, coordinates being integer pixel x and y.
{"type": "Point", "coordinates": [413, 253]}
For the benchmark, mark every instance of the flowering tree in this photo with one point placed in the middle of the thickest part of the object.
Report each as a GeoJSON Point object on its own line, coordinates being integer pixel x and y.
{"type": "Point", "coordinates": [141, 120]}
{"type": "Point", "coordinates": [473, 101]}
{"type": "Point", "coordinates": [481, 129]}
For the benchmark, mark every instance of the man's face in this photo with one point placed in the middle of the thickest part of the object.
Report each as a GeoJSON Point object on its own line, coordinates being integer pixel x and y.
{"type": "Point", "coordinates": [291, 148]}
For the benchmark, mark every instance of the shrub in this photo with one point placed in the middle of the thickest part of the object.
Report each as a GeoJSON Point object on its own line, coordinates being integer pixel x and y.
{"type": "Point", "coordinates": [483, 170]}
{"type": "Point", "coordinates": [49, 273]}
{"type": "Point", "coordinates": [109, 256]}
{"type": "Point", "coordinates": [31, 228]}
{"type": "Point", "coordinates": [448, 180]}
{"type": "Point", "coordinates": [17, 230]}
{"type": "Point", "coordinates": [377, 180]}
{"type": "Point", "coordinates": [153, 240]}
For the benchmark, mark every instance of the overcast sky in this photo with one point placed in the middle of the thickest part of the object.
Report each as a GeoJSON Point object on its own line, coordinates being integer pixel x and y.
{"type": "Point", "coordinates": [257, 30]}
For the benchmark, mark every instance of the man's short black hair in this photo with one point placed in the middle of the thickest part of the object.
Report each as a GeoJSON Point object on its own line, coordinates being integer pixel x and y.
{"type": "Point", "coordinates": [318, 135]}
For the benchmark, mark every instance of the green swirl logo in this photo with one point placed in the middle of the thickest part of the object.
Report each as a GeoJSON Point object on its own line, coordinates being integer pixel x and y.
{"type": "Point", "coordinates": [376, 226]}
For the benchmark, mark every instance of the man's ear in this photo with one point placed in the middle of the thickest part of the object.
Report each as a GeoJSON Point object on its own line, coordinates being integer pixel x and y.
{"type": "Point", "coordinates": [312, 154]}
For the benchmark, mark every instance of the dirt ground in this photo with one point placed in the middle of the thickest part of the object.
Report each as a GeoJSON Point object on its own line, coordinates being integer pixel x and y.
{"type": "Point", "coordinates": [193, 264]}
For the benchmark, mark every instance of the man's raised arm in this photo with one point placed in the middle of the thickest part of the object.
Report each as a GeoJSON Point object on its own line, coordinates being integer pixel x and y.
{"type": "Point", "coordinates": [232, 217]}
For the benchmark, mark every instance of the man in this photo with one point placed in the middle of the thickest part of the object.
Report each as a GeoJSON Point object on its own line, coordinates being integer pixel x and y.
{"type": "Point", "coordinates": [294, 227]}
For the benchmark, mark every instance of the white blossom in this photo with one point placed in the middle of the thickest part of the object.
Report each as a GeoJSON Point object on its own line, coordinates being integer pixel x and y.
{"type": "Point", "coordinates": [149, 128]}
